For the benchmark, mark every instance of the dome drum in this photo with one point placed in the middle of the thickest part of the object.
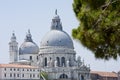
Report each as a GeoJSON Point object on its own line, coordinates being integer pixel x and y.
{"type": "Point", "coordinates": [51, 49]}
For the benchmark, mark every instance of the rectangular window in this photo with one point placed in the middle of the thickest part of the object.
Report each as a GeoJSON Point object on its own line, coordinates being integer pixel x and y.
{"type": "Point", "coordinates": [17, 69]}
{"type": "Point", "coordinates": [14, 74]}
{"type": "Point", "coordinates": [5, 69]}
{"type": "Point", "coordinates": [38, 70]}
{"type": "Point", "coordinates": [5, 75]}
{"type": "Point", "coordinates": [30, 75]}
{"type": "Point", "coordinates": [22, 75]}
{"type": "Point", "coordinates": [17, 75]}
{"type": "Point", "coordinates": [33, 75]}
{"type": "Point", "coordinates": [38, 75]}
{"type": "Point", "coordinates": [10, 74]}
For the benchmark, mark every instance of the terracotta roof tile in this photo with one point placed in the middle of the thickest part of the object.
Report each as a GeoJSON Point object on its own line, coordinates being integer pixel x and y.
{"type": "Point", "coordinates": [15, 66]}
{"type": "Point", "coordinates": [105, 74]}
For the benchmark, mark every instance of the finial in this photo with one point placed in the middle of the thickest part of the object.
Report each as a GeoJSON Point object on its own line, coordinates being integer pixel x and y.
{"type": "Point", "coordinates": [28, 30]}
{"type": "Point", "coordinates": [13, 38]}
{"type": "Point", "coordinates": [13, 33]}
{"type": "Point", "coordinates": [56, 12]}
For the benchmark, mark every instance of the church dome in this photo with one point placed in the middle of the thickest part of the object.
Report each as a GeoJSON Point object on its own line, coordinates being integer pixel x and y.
{"type": "Point", "coordinates": [28, 46]}
{"type": "Point", "coordinates": [56, 36]}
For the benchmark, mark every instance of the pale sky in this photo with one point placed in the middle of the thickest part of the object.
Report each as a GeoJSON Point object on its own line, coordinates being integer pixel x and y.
{"type": "Point", "coordinates": [36, 15]}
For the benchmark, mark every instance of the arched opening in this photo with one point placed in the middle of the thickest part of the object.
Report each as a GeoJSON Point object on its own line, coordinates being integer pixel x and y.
{"type": "Point", "coordinates": [37, 58]}
{"type": "Point", "coordinates": [82, 77]}
{"type": "Point", "coordinates": [30, 57]}
{"type": "Point", "coordinates": [63, 76]}
{"type": "Point", "coordinates": [63, 61]}
{"type": "Point", "coordinates": [58, 61]}
{"type": "Point", "coordinates": [45, 61]}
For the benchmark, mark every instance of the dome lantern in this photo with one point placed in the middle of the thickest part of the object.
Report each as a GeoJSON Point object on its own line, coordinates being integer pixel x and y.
{"type": "Point", "coordinates": [28, 37]}
{"type": "Point", "coordinates": [56, 24]}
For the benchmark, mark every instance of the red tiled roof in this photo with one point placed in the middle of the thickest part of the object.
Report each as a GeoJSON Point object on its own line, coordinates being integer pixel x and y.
{"type": "Point", "coordinates": [15, 66]}
{"type": "Point", "coordinates": [105, 74]}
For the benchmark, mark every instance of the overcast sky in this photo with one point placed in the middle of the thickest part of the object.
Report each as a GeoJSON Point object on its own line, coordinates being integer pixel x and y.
{"type": "Point", "coordinates": [36, 15]}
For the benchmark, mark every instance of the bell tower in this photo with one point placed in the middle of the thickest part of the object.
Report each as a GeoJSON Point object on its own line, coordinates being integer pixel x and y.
{"type": "Point", "coordinates": [13, 49]}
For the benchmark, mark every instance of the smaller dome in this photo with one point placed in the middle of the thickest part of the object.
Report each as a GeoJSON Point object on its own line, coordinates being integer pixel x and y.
{"type": "Point", "coordinates": [28, 48]}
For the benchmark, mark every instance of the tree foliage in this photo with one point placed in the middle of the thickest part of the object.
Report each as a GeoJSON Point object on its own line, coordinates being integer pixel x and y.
{"type": "Point", "coordinates": [99, 28]}
{"type": "Point", "coordinates": [44, 75]}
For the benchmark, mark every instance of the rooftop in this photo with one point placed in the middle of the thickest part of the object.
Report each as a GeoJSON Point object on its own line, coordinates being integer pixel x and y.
{"type": "Point", "coordinates": [15, 66]}
{"type": "Point", "coordinates": [104, 74]}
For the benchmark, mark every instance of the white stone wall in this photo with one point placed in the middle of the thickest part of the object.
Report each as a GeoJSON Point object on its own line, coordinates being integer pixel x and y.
{"type": "Point", "coordinates": [27, 57]}
{"type": "Point", "coordinates": [54, 52]}
{"type": "Point", "coordinates": [19, 73]}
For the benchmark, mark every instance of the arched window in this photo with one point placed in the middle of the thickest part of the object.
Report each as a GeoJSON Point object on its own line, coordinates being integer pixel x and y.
{"type": "Point", "coordinates": [63, 76]}
{"type": "Point", "coordinates": [63, 61]}
{"type": "Point", "coordinates": [58, 61]}
{"type": "Point", "coordinates": [37, 58]}
{"type": "Point", "coordinates": [30, 57]}
{"type": "Point", "coordinates": [45, 61]}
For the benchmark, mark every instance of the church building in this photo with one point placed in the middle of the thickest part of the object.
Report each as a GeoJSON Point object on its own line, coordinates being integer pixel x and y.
{"type": "Point", "coordinates": [55, 58]}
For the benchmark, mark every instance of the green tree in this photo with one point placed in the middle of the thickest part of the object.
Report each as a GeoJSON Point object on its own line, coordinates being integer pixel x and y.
{"type": "Point", "coordinates": [99, 28]}
{"type": "Point", "coordinates": [44, 75]}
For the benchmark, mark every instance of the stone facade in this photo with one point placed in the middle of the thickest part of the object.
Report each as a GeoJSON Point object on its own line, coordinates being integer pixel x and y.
{"type": "Point", "coordinates": [18, 72]}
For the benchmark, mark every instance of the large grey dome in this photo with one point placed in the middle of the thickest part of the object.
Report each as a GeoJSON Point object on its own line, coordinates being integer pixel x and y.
{"type": "Point", "coordinates": [56, 36]}
{"type": "Point", "coordinates": [28, 46]}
